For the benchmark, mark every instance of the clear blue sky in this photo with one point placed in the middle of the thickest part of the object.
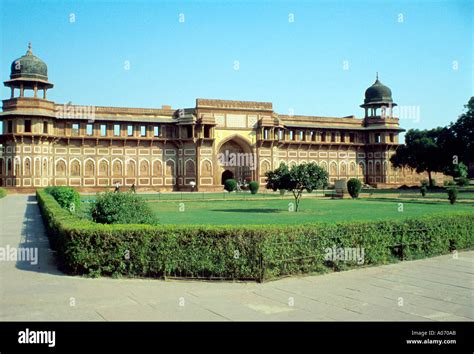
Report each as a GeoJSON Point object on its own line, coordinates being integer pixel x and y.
{"type": "Point", "coordinates": [296, 65]}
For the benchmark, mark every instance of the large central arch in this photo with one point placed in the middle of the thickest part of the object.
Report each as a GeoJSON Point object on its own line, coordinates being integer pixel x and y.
{"type": "Point", "coordinates": [235, 158]}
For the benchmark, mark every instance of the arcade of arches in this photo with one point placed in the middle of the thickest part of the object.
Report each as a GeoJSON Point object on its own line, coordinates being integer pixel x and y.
{"type": "Point", "coordinates": [45, 143]}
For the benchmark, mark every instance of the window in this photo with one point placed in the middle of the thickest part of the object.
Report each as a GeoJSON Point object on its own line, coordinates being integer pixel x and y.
{"type": "Point", "coordinates": [343, 137]}
{"type": "Point", "coordinates": [130, 130]}
{"type": "Point", "coordinates": [169, 131]}
{"type": "Point", "coordinates": [312, 135]}
{"type": "Point", "coordinates": [143, 130]}
{"type": "Point", "coordinates": [103, 130]}
{"type": "Point", "coordinates": [89, 129]}
{"type": "Point", "coordinates": [75, 129]}
{"type": "Point", "coordinates": [302, 137]}
{"type": "Point", "coordinates": [323, 136]}
{"type": "Point", "coordinates": [333, 137]}
{"type": "Point", "coordinates": [189, 132]}
{"type": "Point", "coordinates": [392, 138]}
{"type": "Point", "coordinates": [156, 130]}
{"type": "Point", "coordinates": [117, 129]}
{"type": "Point", "coordinates": [10, 126]}
{"type": "Point", "coordinates": [280, 134]}
{"type": "Point", "coordinates": [45, 127]}
{"type": "Point", "coordinates": [27, 126]}
{"type": "Point", "coordinates": [207, 131]}
{"type": "Point", "coordinates": [60, 128]}
{"type": "Point", "coordinates": [378, 138]}
{"type": "Point", "coordinates": [352, 137]}
{"type": "Point", "coordinates": [265, 134]}
{"type": "Point", "coordinates": [292, 137]}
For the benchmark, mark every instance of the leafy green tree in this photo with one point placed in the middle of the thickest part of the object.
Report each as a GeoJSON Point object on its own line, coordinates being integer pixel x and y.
{"type": "Point", "coordinates": [275, 179]}
{"type": "Point", "coordinates": [463, 130]}
{"type": "Point", "coordinates": [421, 152]}
{"type": "Point", "coordinates": [456, 143]}
{"type": "Point", "coordinates": [306, 176]}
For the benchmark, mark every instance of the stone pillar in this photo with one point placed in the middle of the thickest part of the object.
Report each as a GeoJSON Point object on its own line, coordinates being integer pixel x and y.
{"type": "Point", "coordinates": [21, 90]}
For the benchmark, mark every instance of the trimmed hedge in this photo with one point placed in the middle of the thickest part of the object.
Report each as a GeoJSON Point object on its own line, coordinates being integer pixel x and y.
{"type": "Point", "coordinates": [3, 193]}
{"type": "Point", "coordinates": [241, 252]}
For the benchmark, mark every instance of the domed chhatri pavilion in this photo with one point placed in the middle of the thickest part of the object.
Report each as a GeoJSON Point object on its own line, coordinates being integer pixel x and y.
{"type": "Point", "coordinates": [44, 143]}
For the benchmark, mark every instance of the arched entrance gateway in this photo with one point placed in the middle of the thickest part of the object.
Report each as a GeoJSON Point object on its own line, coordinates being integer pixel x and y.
{"type": "Point", "coordinates": [235, 159]}
{"type": "Point", "coordinates": [227, 174]}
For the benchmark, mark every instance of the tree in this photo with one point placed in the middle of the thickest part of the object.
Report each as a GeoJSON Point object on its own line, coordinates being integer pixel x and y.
{"type": "Point", "coordinates": [306, 176]}
{"type": "Point", "coordinates": [275, 178]}
{"type": "Point", "coordinates": [421, 152]}
{"type": "Point", "coordinates": [440, 149]}
{"type": "Point", "coordinates": [463, 131]}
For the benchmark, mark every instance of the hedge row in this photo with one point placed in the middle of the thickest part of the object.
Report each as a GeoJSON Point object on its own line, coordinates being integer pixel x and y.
{"type": "Point", "coordinates": [241, 252]}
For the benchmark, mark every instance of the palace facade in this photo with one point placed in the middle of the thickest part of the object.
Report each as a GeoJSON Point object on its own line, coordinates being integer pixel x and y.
{"type": "Point", "coordinates": [44, 143]}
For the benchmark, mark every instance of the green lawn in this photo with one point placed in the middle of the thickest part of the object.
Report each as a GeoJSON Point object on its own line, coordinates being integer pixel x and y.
{"type": "Point", "coordinates": [275, 211]}
{"type": "Point", "coordinates": [265, 194]}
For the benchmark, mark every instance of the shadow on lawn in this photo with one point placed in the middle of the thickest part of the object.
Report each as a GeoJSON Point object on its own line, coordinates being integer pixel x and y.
{"type": "Point", "coordinates": [411, 201]}
{"type": "Point", "coordinates": [256, 210]}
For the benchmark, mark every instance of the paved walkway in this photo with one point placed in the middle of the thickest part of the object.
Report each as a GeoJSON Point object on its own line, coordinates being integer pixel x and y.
{"type": "Point", "coordinates": [439, 289]}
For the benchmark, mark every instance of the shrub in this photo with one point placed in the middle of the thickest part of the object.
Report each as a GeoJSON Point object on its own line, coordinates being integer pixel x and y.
{"type": "Point", "coordinates": [230, 185]}
{"type": "Point", "coordinates": [449, 183]}
{"type": "Point", "coordinates": [452, 194]}
{"type": "Point", "coordinates": [463, 181]}
{"type": "Point", "coordinates": [253, 186]}
{"type": "Point", "coordinates": [121, 208]}
{"type": "Point", "coordinates": [353, 187]}
{"type": "Point", "coordinates": [3, 193]}
{"type": "Point", "coordinates": [66, 197]}
{"type": "Point", "coordinates": [423, 189]}
{"type": "Point", "coordinates": [265, 252]}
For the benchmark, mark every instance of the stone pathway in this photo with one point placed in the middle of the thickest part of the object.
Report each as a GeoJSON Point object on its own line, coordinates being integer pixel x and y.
{"type": "Point", "coordinates": [434, 289]}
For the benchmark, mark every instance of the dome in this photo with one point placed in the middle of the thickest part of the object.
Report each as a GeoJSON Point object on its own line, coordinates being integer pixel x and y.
{"type": "Point", "coordinates": [378, 93]}
{"type": "Point", "coordinates": [29, 66]}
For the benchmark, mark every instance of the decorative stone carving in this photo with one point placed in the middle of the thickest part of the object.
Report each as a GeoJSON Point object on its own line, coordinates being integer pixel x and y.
{"type": "Point", "coordinates": [89, 169]}
{"type": "Point", "coordinates": [75, 168]}
{"type": "Point", "coordinates": [60, 168]}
